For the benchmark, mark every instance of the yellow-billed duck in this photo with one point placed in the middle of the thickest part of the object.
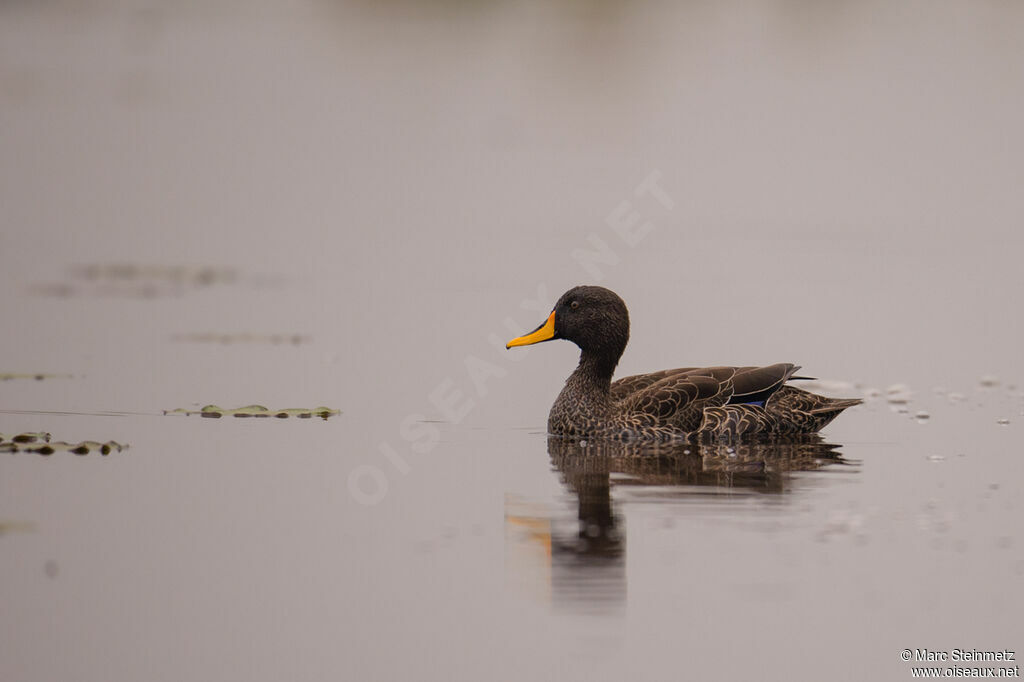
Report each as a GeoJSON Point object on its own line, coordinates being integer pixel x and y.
{"type": "Point", "coordinates": [689, 402]}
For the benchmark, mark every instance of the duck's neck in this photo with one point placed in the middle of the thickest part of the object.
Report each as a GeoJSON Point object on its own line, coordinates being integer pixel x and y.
{"type": "Point", "coordinates": [594, 374]}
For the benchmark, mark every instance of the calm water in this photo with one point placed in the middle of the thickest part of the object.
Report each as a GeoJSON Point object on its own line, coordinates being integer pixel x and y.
{"type": "Point", "coordinates": [353, 206]}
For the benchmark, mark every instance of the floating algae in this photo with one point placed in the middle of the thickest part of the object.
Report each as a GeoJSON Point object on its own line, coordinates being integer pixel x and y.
{"type": "Point", "coordinates": [30, 437]}
{"type": "Point", "coordinates": [200, 275]}
{"type": "Point", "coordinates": [40, 443]}
{"type": "Point", "coordinates": [16, 527]}
{"type": "Point", "coordinates": [37, 376]}
{"type": "Point", "coordinates": [243, 337]}
{"type": "Point", "coordinates": [257, 411]}
{"type": "Point", "coordinates": [135, 281]}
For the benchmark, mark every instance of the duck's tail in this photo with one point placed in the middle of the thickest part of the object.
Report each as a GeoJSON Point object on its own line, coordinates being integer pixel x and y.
{"type": "Point", "coordinates": [788, 412]}
{"type": "Point", "coordinates": [808, 412]}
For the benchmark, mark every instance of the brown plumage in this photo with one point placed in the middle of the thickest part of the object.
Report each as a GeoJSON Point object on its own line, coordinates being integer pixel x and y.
{"type": "Point", "coordinates": [685, 403]}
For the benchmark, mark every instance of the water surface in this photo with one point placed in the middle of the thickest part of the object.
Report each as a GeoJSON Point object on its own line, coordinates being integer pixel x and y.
{"type": "Point", "coordinates": [355, 205]}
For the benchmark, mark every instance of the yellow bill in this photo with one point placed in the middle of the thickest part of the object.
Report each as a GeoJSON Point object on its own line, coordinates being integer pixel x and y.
{"type": "Point", "coordinates": [545, 332]}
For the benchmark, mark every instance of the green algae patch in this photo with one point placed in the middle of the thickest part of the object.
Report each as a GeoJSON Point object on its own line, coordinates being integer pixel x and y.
{"type": "Point", "coordinates": [40, 443]}
{"type": "Point", "coordinates": [256, 412]}
{"type": "Point", "coordinates": [196, 275]}
{"type": "Point", "coordinates": [30, 437]}
{"type": "Point", "coordinates": [131, 280]}
{"type": "Point", "coordinates": [37, 376]}
{"type": "Point", "coordinates": [16, 527]}
{"type": "Point", "coordinates": [243, 338]}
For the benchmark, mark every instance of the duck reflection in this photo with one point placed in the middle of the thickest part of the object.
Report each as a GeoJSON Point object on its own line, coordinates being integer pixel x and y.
{"type": "Point", "coordinates": [586, 565]}
{"type": "Point", "coordinates": [762, 467]}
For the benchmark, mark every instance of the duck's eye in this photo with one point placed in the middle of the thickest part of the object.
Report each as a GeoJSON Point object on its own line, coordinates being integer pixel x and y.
{"type": "Point", "coordinates": [574, 305]}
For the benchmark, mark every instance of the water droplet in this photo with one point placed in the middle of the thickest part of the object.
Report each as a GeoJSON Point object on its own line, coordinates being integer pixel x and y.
{"type": "Point", "coordinates": [956, 397]}
{"type": "Point", "coordinates": [936, 458]}
{"type": "Point", "coordinates": [921, 417]}
{"type": "Point", "coordinates": [1002, 420]}
{"type": "Point", "coordinates": [988, 381]}
{"type": "Point", "coordinates": [898, 394]}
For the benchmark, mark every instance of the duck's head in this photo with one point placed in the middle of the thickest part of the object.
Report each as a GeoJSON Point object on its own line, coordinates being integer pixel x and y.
{"type": "Point", "coordinates": [594, 318]}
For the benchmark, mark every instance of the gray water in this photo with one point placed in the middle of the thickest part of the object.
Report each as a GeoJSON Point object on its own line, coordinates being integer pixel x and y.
{"type": "Point", "coordinates": [353, 206]}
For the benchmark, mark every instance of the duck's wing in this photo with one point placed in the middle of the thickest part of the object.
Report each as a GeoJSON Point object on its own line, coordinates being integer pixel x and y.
{"type": "Point", "coordinates": [752, 384]}
{"type": "Point", "coordinates": [757, 384]}
{"type": "Point", "coordinates": [631, 384]}
{"type": "Point", "coordinates": [680, 398]}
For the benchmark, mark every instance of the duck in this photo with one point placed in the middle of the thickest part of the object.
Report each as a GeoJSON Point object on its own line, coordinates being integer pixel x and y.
{"type": "Point", "coordinates": [688, 403]}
